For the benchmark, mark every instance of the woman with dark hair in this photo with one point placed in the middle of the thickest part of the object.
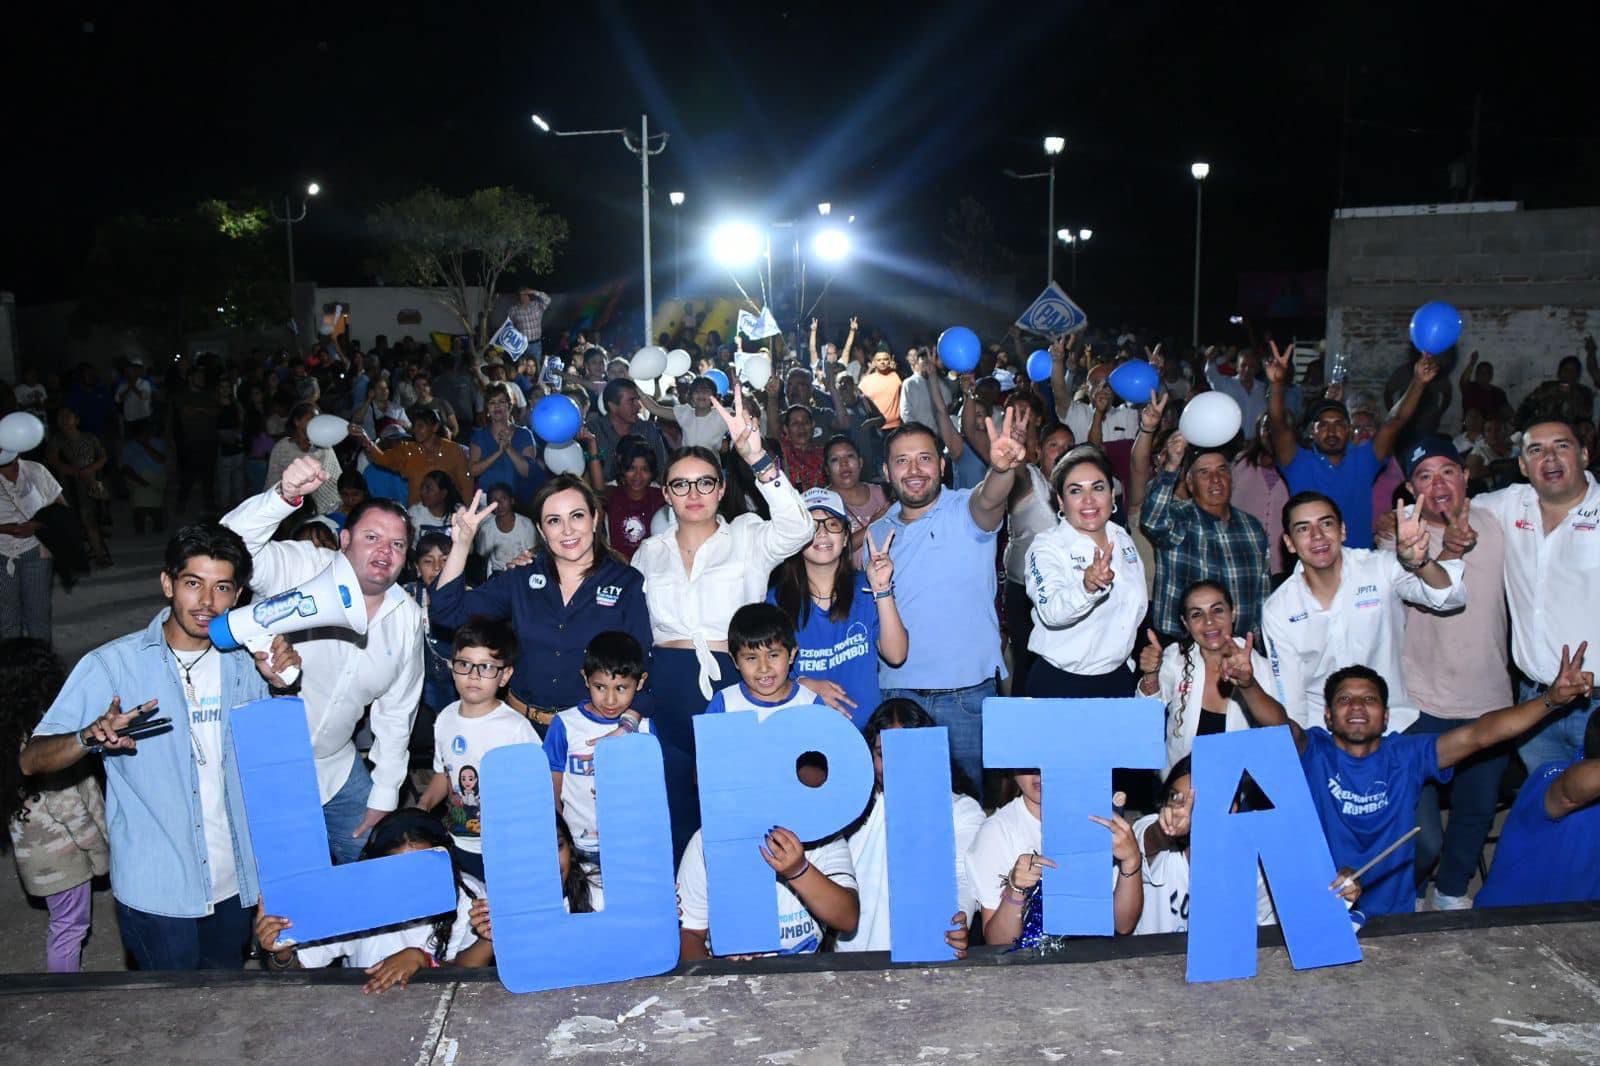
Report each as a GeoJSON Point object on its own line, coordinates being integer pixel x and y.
{"type": "Point", "coordinates": [1087, 586]}
{"type": "Point", "coordinates": [78, 459]}
{"type": "Point", "coordinates": [325, 497]}
{"type": "Point", "coordinates": [1260, 490]}
{"type": "Point", "coordinates": [1207, 679]}
{"type": "Point", "coordinates": [869, 842]}
{"type": "Point", "coordinates": [634, 497]}
{"type": "Point", "coordinates": [502, 452]}
{"type": "Point", "coordinates": [57, 824]}
{"type": "Point", "coordinates": [697, 573]}
{"type": "Point", "coordinates": [864, 501]}
{"type": "Point", "coordinates": [437, 501]}
{"type": "Point", "coordinates": [574, 589]}
{"type": "Point", "coordinates": [842, 624]}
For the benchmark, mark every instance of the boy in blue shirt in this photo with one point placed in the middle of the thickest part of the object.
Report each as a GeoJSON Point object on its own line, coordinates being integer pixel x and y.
{"type": "Point", "coordinates": [1365, 783]}
{"type": "Point", "coordinates": [762, 642]}
{"type": "Point", "coordinates": [1549, 849]}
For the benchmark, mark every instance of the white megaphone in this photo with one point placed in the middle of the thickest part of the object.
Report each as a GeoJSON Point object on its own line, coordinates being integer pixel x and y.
{"type": "Point", "coordinates": [332, 598]}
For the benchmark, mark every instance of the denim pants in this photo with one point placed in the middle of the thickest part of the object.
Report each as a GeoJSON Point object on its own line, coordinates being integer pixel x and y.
{"type": "Point", "coordinates": [1561, 736]}
{"type": "Point", "coordinates": [344, 812]}
{"type": "Point", "coordinates": [961, 712]}
{"type": "Point", "coordinates": [217, 941]}
{"type": "Point", "coordinates": [1474, 790]}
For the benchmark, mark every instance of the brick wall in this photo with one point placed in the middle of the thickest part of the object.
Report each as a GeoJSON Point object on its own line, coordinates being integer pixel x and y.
{"type": "Point", "coordinates": [1527, 284]}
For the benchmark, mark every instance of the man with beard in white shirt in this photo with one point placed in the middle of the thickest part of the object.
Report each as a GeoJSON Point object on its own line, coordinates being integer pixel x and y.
{"type": "Point", "coordinates": [1346, 606]}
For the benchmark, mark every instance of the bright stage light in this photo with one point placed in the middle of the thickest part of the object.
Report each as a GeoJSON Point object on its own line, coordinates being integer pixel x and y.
{"type": "Point", "coordinates": [544, 127]}
{"type": "Point", "coordinates": [736, 244]}
{"type": "Point", "coordinates": [831, 245]}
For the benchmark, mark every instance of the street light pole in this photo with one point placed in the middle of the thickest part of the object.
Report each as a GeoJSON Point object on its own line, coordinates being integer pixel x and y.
{"type": "Point", "coordinates": [1053, 146]}
{"type": "Point", "coordinates": [676, 200]}
{"type": "Point", "coordinates": [289, 218]}
{"type": "Point", "coordinates": [1200, 171]}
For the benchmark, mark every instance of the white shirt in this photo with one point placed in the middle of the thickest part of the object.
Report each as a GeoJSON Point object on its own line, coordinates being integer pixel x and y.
{"type": "Point", "coordinates": [31, 397]}
{"type": "Point", "coordinates": [202, 693]}
{"type": "Point", "coordinates": [369, 949]}
{"type": "Point", "coordinates": [499, 547]}
{"type": "Point", "coordinates": [459, 745]}
{"type": "Point", "coordinates": [869, 853]}
{"type": "Point", "coordinates": [1007, 833]}
{"type": "Point", "coordinates": [34, 489]}
{"type": "Point", "coordinates": [799, 932]}
{"type": "Point", "coordinates": [137, 398]}
{"type": "Point", "coordinates": [569, 745]}
{"type": "Point", "coordinates": [704, 431]}
{"type": "Point", "coordinates": [1026, 520]}
{"type": "Point", "coordinates": [916, 402]}
{"type": "Point", "coordinates": [1166, 888]}
{"type": "Point", "coordinates": [341, 673]}
{"type": "Point", "coordinates": [1076, 630]}
{"type": "Point", "coordinates": [423, 520]}
{"type": "Point", "coordinates": [1120, 423]}
{"type": "Point", "coordinates": [730, 570]}
{"type": "Point", "coordinates": [739, 698]}
{"type": "Point", "coordinates": [1552, 580]}
{"type": "Point", "coordinates": [1184, 703]}
{"type": "Point", "coordinates": [1366, 626]}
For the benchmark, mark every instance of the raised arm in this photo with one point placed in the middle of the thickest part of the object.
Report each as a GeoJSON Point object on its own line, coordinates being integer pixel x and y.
{"type": "Point", "coordinates": [1139, 466]}
{"type": "Point", "coordinates": [1060, 391]}
{"type": "Point", "coordinates": [1422, 373]}
{"type": "Point", "coordinates": [972, 428]}
{"type": "Point", "coordinates": [849, 342]}
{"type": "Point", "coordinates": [1572, 682]}
{"type": "Point", "coordinates": [941, 417]}
{"type": "Point", "coordinates": [1279, 369]}
{"type": "Point", "coordinates": [1466, 372]}
{"type": "Point", "coordinates": [989, 500]}
{"type": "Point", "coordinates": [1423, 572]}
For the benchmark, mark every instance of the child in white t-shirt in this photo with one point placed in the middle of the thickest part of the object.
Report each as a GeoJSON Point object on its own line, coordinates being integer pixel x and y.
{"type": "Point", "coordinates": [613, 670]}
{"type": "Point", "coordinates": [481, 662]}
{"type": "Point", "coordinates": [762, 642]}
{"type": "Point", "coordinates": [698, 422]}
{"type": "Point", "coordinates": [390, 956]}
{"type": "Point", "coordinates": [507, 536]}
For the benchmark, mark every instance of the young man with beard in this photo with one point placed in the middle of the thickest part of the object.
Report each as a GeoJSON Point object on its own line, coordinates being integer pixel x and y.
{"type": "Point", "coordinates": [1333, 465]}
{"type": "Point", "coordinates": [1364, 781]}
{"type": "Point", "coordinates": [182, 869]}
{"type": "Point", "coordinates": [345, 674]}
{"type": "Point", "coordinates": [1346, 606]}
{"type": "Point", "coordinates": [1552, 570]}
{"type": "Point", "coordinates": [943, 553]}
{"type": "Point", "coordinates": [881, 384]}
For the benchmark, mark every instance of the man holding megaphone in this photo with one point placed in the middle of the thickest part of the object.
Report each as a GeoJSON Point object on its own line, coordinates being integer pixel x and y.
{"type": "Point", "coordinates": [360, 646]}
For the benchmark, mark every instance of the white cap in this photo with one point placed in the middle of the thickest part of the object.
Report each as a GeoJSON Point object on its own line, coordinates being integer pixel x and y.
{"type": "Point", "coordinates": [826, 500]}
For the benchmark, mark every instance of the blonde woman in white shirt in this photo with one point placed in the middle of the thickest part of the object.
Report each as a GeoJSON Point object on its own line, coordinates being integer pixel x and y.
{"type": "Point", "coordinates": [1087, 586]}
{"type": "Point", "coordinates": [697, 572]}
{"type": "Point", "coordinates": [1207, 679]}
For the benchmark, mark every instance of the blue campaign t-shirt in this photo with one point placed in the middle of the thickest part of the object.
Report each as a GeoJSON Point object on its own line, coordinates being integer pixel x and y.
{"type": "Point", "coordinates": [1367, 804]}
{"type": "Point", "coordinates": [501, 472]}
{"type": "Point", "coordinates": [1349, 485]}
{"type": "Point", "coordinates": [845, 653]}
{"type": "Point", "coordinates": [1541, 859]}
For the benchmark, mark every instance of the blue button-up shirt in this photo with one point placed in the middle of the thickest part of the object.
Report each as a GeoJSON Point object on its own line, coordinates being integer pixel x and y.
{"type": "Point", "coordinates": [159, 860]}
{"type": "Point", "coordinates": [944, 580]}
{"type": "Point", "coordinates": [551, 635]}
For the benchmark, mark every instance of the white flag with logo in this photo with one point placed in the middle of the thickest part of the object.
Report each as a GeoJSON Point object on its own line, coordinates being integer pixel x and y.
{"type": "Point", "coordinates": [1053, 314]}
{"type": "Point", "coordinates": [758, 327]}
{"type": "Point", "coordinates": [508, 338]}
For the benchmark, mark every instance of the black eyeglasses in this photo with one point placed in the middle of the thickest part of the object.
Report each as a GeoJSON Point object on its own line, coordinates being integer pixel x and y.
{"type": "Point", "coordinates": [832, 525]}
{"type": "Point", "coordinates": [466, 669]}
{"type": "Point", "coordinates": [704, 486]}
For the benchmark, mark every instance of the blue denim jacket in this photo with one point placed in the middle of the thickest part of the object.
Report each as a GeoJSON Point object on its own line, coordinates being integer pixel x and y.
{"type": "Point", "coordinates": [158, 845]}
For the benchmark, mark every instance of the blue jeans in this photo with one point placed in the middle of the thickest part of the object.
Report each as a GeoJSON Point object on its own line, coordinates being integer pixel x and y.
{"type": "Point", "coordinates": [961, 712]}
{"type": "Point", "coordinates": [344, 812]}
{"type": "Point", "coordinates": [218, 941]}
{"type": "Point", "coordinates": [1474, 790]}
{"type": "Point", "coordinates": [1561, 737]}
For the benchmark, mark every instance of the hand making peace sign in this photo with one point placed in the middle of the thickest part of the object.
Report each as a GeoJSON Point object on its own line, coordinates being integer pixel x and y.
{"type": "Point", "coordinates": [465, 521]}
{"type": "Point", "coordinates": [880, 568]}
{"type": "Point", "coordinates": [1281, 365]}
{"type": "Point", "coordinates": [1410, 537]}
{"type": "Point", "coordinates": [743, 429]}
{"type": "Point", "coordinates": [1006, 452]}
{"type": "Point", "coordinates": [1573, 682]}
{"type": "Point", "coordinates": [1097, 577]}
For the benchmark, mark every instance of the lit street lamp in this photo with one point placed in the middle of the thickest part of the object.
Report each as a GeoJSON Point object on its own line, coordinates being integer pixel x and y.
{"type": "Point", "coordinates": [676, 200]}
{"type": "Point", "coordinates": [1073, 241]}
{"type": "Point", "coordinates": [1053, 147]}
{"type": "Point", "coordinates": [289, 218]}
{"type": "Point", "coordinates": [1200, 171]}
{"type": "Point", "coordinates": [644, 151]}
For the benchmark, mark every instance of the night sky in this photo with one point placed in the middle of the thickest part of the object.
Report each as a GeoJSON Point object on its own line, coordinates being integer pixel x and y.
{"type": "Point", "coordinates": [892, 113]}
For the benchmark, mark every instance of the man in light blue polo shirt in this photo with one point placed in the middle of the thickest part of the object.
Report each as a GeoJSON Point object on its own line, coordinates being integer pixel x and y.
{"type": "Point", "coordinates": [944, 566]}
{"type": "Point", "coordinates": [182, 870]}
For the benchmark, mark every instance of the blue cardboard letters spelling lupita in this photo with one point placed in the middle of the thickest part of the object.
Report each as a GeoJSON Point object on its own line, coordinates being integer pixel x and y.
{"type": "Point", "coordinates": [748, 784]}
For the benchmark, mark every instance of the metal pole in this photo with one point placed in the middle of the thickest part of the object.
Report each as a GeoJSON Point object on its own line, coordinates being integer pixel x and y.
{"type": "Point", "coordinates": [288, 225]}
{"type": "Point", "coordinates": [644, 198]}
{"type": "Point", "coordinates": [1075, 244]}
{"type": "Point", "coordinates": [1050, 231]}
{"type": "Point", "coordinates": [1194, 327]}
{"type": "Point", "coordinates": [677, 252]}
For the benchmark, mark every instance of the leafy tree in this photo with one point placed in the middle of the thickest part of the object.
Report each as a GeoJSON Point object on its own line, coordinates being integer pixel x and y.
{"type": "Point", "coordinates": [460, 246]}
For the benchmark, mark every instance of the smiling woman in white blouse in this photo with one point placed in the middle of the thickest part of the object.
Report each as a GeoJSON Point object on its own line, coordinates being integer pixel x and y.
{"type": "Point", "coordinates": [697, 573]}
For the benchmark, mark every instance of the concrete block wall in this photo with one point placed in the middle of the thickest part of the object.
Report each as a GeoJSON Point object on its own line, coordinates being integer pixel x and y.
{"type": "Point", "coordinates": [1527, 284]}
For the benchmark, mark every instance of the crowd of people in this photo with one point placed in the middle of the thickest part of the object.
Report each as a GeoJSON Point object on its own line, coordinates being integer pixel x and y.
{"type": "Point", "coordinates": [863, 529]}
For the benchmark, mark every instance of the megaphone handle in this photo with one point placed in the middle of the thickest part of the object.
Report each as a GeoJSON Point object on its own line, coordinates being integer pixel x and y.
{"type": "Point", "coordinates": [262, 643]}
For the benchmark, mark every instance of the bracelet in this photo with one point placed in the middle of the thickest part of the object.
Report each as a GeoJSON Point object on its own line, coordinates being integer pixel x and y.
{"type": "Point", "coordinates": [1020, 901]}
{"type": "Point", "coordinates": [1135, 873]}
{"type": "Point", "coordinates": [886, 594]}
{"type": "Point", "coordinates": [628, 723]}
{"type": "Point", "coordinates": [802, 872]}
{"type": "Point", "coordinates": [292, 501]}
{"type": "Point", "coordinates": [591, 457]}
{"type": "Point", "coordinates": [85, 744]}
{"type": "Point", "coordinates": [1413, 569]}
{"type": "Point", "coordinates": [762, 465]}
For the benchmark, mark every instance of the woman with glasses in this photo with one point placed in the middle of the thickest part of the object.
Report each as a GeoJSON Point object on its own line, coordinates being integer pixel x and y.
{"type": "Point", "coordinates": [696, 574]}
{"type": "Point", "coordinates": [842, 623]}
{"type": "Point", "coordinates": [574, 589]}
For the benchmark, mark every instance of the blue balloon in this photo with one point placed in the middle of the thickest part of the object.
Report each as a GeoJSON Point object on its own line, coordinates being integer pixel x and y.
{"type": "Point", "coordinates": [720, 379]}
{"type": "Point", "coordinates": [1135, 381]}
{"type": "Point", "coordinates": [556, 419]}
{"type": "Point", "coordinates": [1039, 365]}
{"type": "Point", "coordinates": [1435, 327]}
{"type": "Point", "coordinates": [959, 349]}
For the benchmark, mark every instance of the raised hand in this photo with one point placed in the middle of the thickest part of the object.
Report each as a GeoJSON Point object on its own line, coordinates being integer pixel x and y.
{"type": "Point", "coordinates": [1123, 846]}
{"type": "Point", "coordinates": [880, 568]}
{"type": "Point", "coordinates": [1177, 447]}
{"type": "Point", "coordinates": [1411, 537]}
{"type": "Point", "coordinates": [784, 853]}
{"type": "Point", "coordinates": [855, 324]}
{"type": "Point", "coordinates": [465, 521]}
{"type": "Point", "coordinates": [1150, 654]}
{"type": "Point", "coordinates": [742, 429]}
{"type": "Point", "coordinates": [813, 324]}
{"type": "Point", "coordinates": [1281, 364]}
{"type": "Point", "coordinates": [1572, 682]}
{"type": "Point", "coordinates": [1097, 577]}
{"type": "Point", "coordinates": [1150, 414]}
{"type": "Point", "coordinates": [1028, 869]}
{"type": "Point", "coordinates": [1238, 665]}
{"type": "Point", "coordinates": [1154, 357]}
{"type": "Point", "coordinates": [1176, 814]}
{"type": "Point", "coordinates": [1101, 400]}
{"type": "Point", "coordinates": [302, 477]}
{"type": "Point", "coordinates": [1006, 452]}
{"type": "Point", "coordinates": [1459, 537]}
{"type": "Point", "coordinates": [1425, 370]}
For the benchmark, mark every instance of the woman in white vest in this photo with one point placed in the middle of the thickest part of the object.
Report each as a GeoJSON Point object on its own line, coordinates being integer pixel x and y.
{"type": "Point", "coordinates": [1207, 679]}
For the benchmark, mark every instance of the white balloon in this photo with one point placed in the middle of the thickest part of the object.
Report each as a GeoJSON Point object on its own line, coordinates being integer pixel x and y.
{"type": "Point", "coordinates": [1210, 420]}
{"type": "Point", "coordinates": [567, 459]}
{"type": "Point", "coordinates": [758, 370]}
{"type": "Point", "coordinates": [20, 432]}
{"type": "Point", "coordinates": [678, 362]}
{"type": "Point", "coordinates": [325, 431]}
{"type": "Point", "coordinates": [648, 363]}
